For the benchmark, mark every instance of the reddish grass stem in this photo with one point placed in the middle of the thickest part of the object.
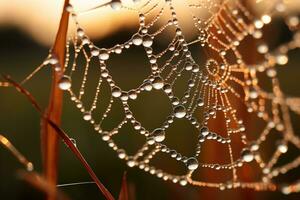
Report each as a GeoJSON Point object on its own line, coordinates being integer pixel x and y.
{"type": "Point", "coordinates": [50, 140]}
{"type": "Point", "coordinates": [60, 133]}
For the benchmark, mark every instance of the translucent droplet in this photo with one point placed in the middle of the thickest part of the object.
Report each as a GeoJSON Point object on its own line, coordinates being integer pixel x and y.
{"type": "Point", "coordinates": [29, 166]}
{"type": "Point", "coordinates": [95, 52]}
{"type": "Point", "coordinates": [121, 153]}
{"type": "Point", "coordinates": [192, 163]}
{"type": "Point", "coordinates": [116, 4]}
{"type": "Point", "coordinates": [158, 83]}
{"type": "Point", "coordinates": [65, 83]}
{"type": "Point", "coordinates": [131, 163]}
{"type": "Point", "coordinates": [254, 146]}
{"type": "Point", "coordinates": [247, 155]}
{"type": "Point", "coordinates": [281, 59]}
{"type": "Point", "coordinates": [147, 41]}
{"type": "Point", "coordinates": [200, 102]}
{"type": "Point", "coordinates": [103, 54]}
{"type": "Point", "coordinates": [167, 88]}
{"type": "Point", "coordinates": [159, 135]}
{"type": "Point", "coordinates": [87, 116]}
{"type": "Point", "coordinates": [73, 141]}
{"type": "Point", "coordinates": [183, 181]}
{"type": "Point", "coordinates": [204, 131]}
{"type": "Point", "coordinates": [262, 48]}
{"type": "Point", "coordinates": [179, 111]}
{"type": "Point", "coordinates": [116, 92]}
{"type": "Point", "coordinates": [282, 147]}
{"type": "Point", "coordinates": [80, 32]}
{"type": "Point", "coordinates": [253, 93]}
{"type": "Point", "coordinates": [266, 19]}
{"type": "Point", "coordinates": [137, 40]}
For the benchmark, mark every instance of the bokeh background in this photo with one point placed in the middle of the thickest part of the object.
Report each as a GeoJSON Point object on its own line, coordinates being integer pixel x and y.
{"type": "Point", "coordinates": [27, 30]}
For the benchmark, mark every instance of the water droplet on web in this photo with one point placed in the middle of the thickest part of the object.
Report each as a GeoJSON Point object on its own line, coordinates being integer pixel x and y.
{"type": "Point", "coordinates": [158, 83]}
{"type": "Point", "coordinates": [87, 116]}
{"type": "Point", "coordinates": [159, 135]}
{"type": "Point", "coordinates": [137, 40]}
{"type": "Point", "coordinates": [116, 92]}
{"type": "Point", "coordinates": [204, 131]}
{"type": "Point", "coordinates": [147, 41]}
{"type": "Point", "coordinates": [192, 163]}
{"type": "Point", "coordinates": [116, 4]}
{"type": "Point", "coordinates": [103, 54]}
{"type": "Point", "coordinates": [282, 147]}
{"type": "Point", "coordinates": [179, 111]}
{"type": "Point", "coordinates": [65, 83]}
{"type": "Point", "coordinates": [247, 155]}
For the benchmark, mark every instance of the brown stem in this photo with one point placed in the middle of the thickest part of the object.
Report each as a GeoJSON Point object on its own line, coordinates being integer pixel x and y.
{"type": "Point", "coordinates": [60, 133]}
{"type": "Point", "coordinates": [54, 109]}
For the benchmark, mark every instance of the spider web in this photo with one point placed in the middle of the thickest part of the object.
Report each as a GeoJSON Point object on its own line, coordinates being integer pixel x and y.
{"type": "Point", "coordinates": [214, 95]}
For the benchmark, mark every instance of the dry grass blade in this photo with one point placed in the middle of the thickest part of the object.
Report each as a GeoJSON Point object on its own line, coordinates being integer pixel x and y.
{"type": "Point", "coordinates": [60, 133]}
{"type": "Point", "coordinates": [41, 184]}
{"type": "Point", "coordinates": [124, 188]}
{"type": "Point", "coordinates": [22, 159]}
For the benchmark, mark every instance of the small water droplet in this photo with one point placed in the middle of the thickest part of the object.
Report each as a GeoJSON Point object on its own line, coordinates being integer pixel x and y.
{"type": "Point", "coordinates": [87, 116]}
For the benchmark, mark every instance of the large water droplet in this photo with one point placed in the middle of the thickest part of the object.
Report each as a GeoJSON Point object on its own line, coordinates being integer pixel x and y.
{"type": "Point", "coordinates": [137, 40]}
{"type": "Point", "coordinates": [204, 131]}
{"type": "Point", "coordinates": [147, 41]}
{"type": "Point", "coordinates": [247, 155]}
{"type": "Point", "coordinates": [116, 92]}
{"type": "Point", "coordinates": [65, 83]}
{"type": "Point", "coordinates": [179, 111]}
{"type": "Point", "coordinates": [159, 135]}
{"type": "Point", "coordinates": [103, 54]}
{"type": "Point", "coordinates": [87, 116]}
{"type": "Point", "coordinates": [116, 4]}
{"type": "Point", "coordinates": [192, 163]}
{"type": "Point", "coordinates": [282, 147]}
{"type": "Point", "coordinates": [158, 83]}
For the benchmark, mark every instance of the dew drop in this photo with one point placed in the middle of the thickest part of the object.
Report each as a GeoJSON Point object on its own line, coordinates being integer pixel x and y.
{"type": "Point", "coordinates": [158, 83]}
{"type": "Point", "coordinates": [103, 54]}
{"type": "Point", "coordinates": [87, 116]}
{"type": "Point", "coordinates": [282, 147]}
{"type": "Point", "coordinates": [116, 92]}
{"type": "Point", "coordinates": [204, 131]}
{"type": "Point", "coordinates": [64, 83]}
{"type": "Point", "coordinates": [247, 155]}
{"type": "Point", "coordinates": [131, 163]}
{"type": "Point", "coordinates": [121, 153]}
{"type": "Point", "coordinates": [147, 41]}
{"type": "Point", "coordinates": [116, 4]}
{"type": "Point", "coordinates": [159, 135]}
{"type": "Point", "coordinates": [137, 40]}
{"type": "Point", "coordinates": [179, 111]}
{"type": "Point", "coordinates": [192, 163]}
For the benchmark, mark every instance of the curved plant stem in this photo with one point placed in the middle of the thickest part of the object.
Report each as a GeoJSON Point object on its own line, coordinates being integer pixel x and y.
{"type": "Point", "coordinates": [54, 110]}
{"type": "Point", "coordinates": [60, 133]}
